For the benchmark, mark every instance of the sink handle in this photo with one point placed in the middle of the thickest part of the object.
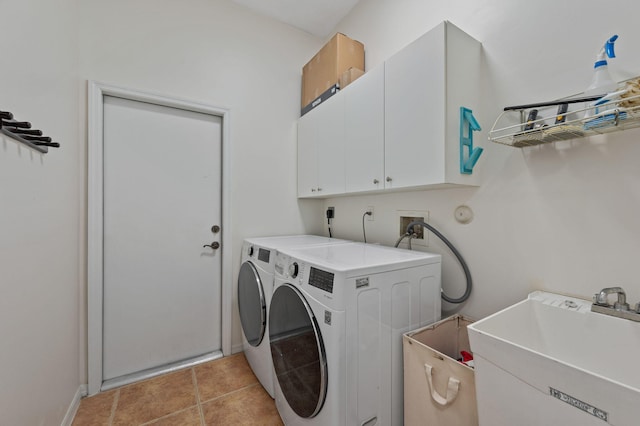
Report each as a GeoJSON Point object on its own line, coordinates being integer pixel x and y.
{"type": "Point", "coordinates": [452, 388]}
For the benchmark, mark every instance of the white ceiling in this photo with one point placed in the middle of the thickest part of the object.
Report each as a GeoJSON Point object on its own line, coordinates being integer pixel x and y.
{"type": "Point", "coordinates": [318, 17]}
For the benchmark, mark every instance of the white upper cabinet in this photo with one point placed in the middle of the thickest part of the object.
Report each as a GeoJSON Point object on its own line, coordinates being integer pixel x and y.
{"type": "Point", "coordinates": [398, 126]}
{"type": "Point", "coordinates": [307, 159]}
{"type": "Point", "coordinates": [426, 83]}
{"type": "Point", "coordinates": [364, 132]}
{"type": "Point", "coordinates": [321, 153]}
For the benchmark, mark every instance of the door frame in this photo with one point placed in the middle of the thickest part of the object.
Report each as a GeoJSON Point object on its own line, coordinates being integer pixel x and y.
{"type": "Point", "coordinates": [95, 198]}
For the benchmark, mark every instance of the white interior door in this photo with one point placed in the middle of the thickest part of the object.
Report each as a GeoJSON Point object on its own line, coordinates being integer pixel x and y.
{"type": "Point", "coordinates": [162, 196]}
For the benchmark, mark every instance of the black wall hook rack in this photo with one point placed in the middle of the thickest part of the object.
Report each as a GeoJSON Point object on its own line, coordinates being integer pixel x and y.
{"type": "Point", "coordinates": [22, 132]}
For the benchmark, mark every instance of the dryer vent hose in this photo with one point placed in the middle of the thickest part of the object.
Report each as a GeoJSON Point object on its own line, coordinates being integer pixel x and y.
{"type": "Point", "coordinates": [467, 273]}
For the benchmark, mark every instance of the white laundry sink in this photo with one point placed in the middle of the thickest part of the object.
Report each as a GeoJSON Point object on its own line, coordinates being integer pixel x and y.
{"type": "Point", "coordinates": [549, 360]}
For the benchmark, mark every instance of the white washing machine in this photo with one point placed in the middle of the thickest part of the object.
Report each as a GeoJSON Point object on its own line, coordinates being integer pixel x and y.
{"type": "Point", "coordinates": [255, 286]}
{"type": "Point", "coordinates": [336, 321]}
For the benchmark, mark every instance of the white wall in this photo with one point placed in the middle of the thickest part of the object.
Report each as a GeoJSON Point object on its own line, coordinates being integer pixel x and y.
{"type": "Point", "coordinates": [39, 215]}
{"type": "Point", "coordinates": [210, 51]}
{"type": "Point", "coordinates": [561, 217]}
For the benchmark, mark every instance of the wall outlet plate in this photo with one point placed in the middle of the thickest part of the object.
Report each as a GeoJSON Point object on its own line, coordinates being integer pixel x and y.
{"type": "Point", "coordinates": [403, 218]}
{"type": "Point", "coordinates": [331, 212]}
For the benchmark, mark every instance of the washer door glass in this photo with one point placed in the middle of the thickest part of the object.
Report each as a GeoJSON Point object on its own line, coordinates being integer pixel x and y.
{"type": "Point", "coordinates": [251, 304]}
{"type": "Point", "coordinates": [298, 353]}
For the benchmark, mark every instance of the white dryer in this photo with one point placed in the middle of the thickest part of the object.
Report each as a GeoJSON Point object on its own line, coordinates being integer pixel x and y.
{"type": "Point", "coordinates": [255, 286]}
{"type": "Point", "coordinates": [336, 321]}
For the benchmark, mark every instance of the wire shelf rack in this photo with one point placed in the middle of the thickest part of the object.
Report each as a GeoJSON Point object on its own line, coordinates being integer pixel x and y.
{"type": "Point", "coordinates": [544, 123]}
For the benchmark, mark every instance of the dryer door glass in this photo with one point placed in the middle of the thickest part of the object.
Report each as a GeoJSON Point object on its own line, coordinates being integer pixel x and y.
{"type": "Point", "coordinates": [299, 358]}
{"type": "Point", "coordinates": [251, 304]}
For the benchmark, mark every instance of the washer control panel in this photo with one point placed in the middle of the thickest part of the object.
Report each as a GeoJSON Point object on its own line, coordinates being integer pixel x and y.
{"type": "Point", "coordinates": [321, 279]}
{"type": "Point", "coordinates": [302, 274]}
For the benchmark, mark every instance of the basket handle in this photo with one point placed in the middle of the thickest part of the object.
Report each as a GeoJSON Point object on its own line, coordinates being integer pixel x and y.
{"type": "Point", "coordinates": [452, 388]}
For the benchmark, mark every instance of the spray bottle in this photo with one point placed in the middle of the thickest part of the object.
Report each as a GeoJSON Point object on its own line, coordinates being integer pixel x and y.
{"type": "Point", "coordinates": [602, 82]}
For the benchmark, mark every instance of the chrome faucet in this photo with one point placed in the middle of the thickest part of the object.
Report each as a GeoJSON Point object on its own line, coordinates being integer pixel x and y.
{"type": "Point", "coordinates": [602, 298]}
{"type": "Point", "coordinates": [618, 309]}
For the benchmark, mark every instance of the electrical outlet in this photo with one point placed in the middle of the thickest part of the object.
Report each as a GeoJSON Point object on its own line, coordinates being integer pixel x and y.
{"type": "Point", "coordinates": [405, 217]}
{"type": "Point", "coordinates": [370, 217]}
{"type": "Point", "coordinates": [331, 212]}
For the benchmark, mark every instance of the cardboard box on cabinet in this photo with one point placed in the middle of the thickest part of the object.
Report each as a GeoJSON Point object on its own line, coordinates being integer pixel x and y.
{"type": "Point", "coordinates": [327, 66]}
{"type": "Point", "coordinates": [349, 76]}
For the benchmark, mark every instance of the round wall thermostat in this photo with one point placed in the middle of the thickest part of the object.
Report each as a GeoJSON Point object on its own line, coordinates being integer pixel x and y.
{"type": "Point", "coordinates": [463, 214]}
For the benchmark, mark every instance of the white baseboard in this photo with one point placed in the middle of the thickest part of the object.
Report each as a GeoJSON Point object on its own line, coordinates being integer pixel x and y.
{"type": "Point", "coordinates": [237, 348]}
{"type": "Point", "coordinates": [73, 407]}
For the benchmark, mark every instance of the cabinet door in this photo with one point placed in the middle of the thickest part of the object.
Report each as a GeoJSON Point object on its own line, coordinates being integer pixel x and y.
{"type": "Point", "coordinates": [307, 159]}
{"type": "Point", "coordinates": [321, 149]}
{"type": "Point", "coordinates": [415, 112]}
{"type": "Point", "coordinates": [329, 130]}
{"type": "Point", "coordinates": [364, 132]}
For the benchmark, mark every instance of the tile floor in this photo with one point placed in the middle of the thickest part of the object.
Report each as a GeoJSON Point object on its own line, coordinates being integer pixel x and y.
{"type": "Point", "coordinates": [220, 392]}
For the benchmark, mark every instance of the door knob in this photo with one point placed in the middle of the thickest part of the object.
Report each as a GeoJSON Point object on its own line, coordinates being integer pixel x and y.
{"type": "Point", "coordinates": [214, 245]}
{"type": "Point", "coordinates": [215, 229]}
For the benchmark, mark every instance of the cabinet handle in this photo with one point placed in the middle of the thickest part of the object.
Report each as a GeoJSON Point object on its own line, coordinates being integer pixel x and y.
{"type": "Point", "coordinates": [313, 190]}
{"type": "Point", "coordinates": [376, 181]}
{"type": "Point", "coordinates": [319, 189]}
{"type": "Point", "coordinates": [389, 179]}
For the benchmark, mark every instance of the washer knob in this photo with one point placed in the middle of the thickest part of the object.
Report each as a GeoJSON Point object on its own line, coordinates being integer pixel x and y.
{"type": "Point", "coordinates": [250, 251]}
{"type": "Point", "coordinates": [293, 270]}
